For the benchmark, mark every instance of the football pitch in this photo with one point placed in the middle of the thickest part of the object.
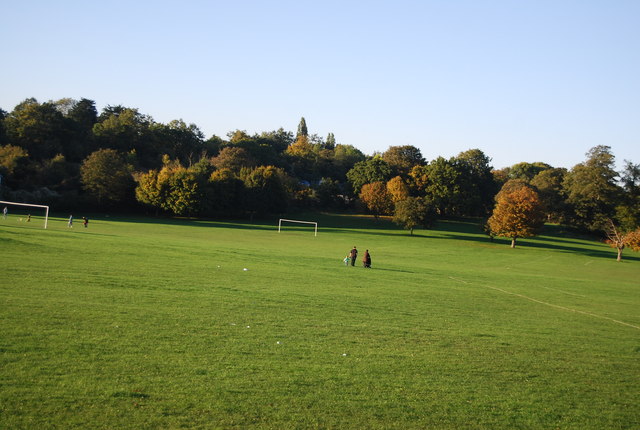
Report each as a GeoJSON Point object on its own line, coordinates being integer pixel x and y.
{"type": "Point", "coordinates": [143, 323]}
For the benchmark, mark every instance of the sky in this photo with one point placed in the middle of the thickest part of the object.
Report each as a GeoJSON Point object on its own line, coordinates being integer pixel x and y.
{"type": "Point", "coordinates": [520, 80]}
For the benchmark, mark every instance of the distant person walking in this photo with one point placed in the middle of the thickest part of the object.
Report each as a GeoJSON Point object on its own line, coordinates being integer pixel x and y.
{"type": "Point", "coordinates": [366, 260]}
{"type": "Point", "coordinates": [85, 221]}
{"type": "Point", "coordinates": [354, 255]}
{"type": "Point", "coordinates": [4, 212]}
{"type": "Point", "coordinates": [346, 259]}
{"type": "Point", "coordinates": [70, 223]}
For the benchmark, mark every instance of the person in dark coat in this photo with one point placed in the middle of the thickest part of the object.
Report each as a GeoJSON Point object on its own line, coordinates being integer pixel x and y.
{"type": "Point", "coordinates": [354, 255]}
{"type": "Point", "coordinates": [366, 260]}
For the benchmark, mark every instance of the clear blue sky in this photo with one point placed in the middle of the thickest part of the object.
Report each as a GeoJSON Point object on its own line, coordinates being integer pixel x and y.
{"type": "Point", "coordinates": [520, 80]}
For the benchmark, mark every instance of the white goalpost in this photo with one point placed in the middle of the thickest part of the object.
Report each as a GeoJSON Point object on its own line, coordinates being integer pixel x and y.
{"type": "Point", "coordinates": [46, 213]}
{"type": "Point", "coordinates": [296, 221]}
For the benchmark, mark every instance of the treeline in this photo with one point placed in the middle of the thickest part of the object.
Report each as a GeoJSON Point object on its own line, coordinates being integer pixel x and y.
{"type": "Point", "coordinates": [66, 154]}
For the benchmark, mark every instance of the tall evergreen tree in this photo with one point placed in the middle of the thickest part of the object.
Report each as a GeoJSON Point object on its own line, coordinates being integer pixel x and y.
{"type": "Point", "coordinates": [302, 128]}
{"type": "Point", "coordinates": [331, 141]}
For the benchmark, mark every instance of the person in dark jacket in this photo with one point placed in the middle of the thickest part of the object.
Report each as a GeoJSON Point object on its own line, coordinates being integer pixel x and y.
{"type": "Point", "coordinates": [354, 255]}
{"type": "Point", "coordinates": [366, 260]}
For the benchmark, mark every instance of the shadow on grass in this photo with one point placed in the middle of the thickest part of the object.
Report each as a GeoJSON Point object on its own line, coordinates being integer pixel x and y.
{"type": "Point", "coordinates": [549, 239]}
{"type": "Point", "coordinates": [553, 236]}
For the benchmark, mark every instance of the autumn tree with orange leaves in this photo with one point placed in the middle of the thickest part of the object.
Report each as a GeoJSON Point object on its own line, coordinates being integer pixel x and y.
{"type": "Point", "coordinates": [518, 212]}
{"type": "Point", "coordinates": [619, 239]}
{"type": "Point", "coordinates": [376, 197]}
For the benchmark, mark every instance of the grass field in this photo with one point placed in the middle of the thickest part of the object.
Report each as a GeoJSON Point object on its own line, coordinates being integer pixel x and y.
{"type": "Point", "coordinates": [142, 323]}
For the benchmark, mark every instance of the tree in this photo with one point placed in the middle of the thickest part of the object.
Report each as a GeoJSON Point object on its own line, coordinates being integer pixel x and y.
{"type": "Point", "coordinates": [376, 198]}
{"type": "Point", "coordinates": [418, 179]}
{"type": "Point", "coordinates": [224, 193]}
{"type": "Point", "coordinates": [10, 158]}
{"type": "Point", "coordinates": [403, 158]}
{"type": "Point", "coordinates": [40, 129]}
{"type": "Point", "coordinates": [303, 157]}
{"type": "Point", "coordinates": [397, 189]}
{"type": "Point", "coordinates": [302, 128]}
{"type": "Point", "coordinates": [479, 179]}
{"type": "Point", "coordinates": [106, 176]}
{"type": "Point", "coordinates": [266, 189]}
{"type": "Point", "coordinates": [412, 212]}
{"type": "Point", "coordinates": [448, 185]}
{"type": "Point", "coordinates": [233, 158]}
{"type": "Point", "coordinates": [329, 194]}
{"type": "Point", "coordinates": [184, 195]}
{"type": "Point", "coordinates": [331, 141]}
{"type": "Point", "coordinates": [150, 190]}
{"type": "Point", "coordinates": [369, 171]}
{"type": "Point", "coordinates": [125, 130]}
{"type": "Point", "coordinates": [344, 159]}
{"type": "Point", "coordinates": [518, 213]}
{"type": "Point", "coordinates": [4, 140]}
{"type": "Point", "coordinates": [527, 171]}
{"type": "Point", "coordinates": [591, 189]}
{"type": "Point", "coordinates": [83, 116]}
{"type": "Point", "coordinates": [548, 183]}
{"type": "Point", "coordinates": [620, 239]}
{"type": "Point", "coordinates": [628, 211]}
{"type": "Point", "coordinates": [179, 140]}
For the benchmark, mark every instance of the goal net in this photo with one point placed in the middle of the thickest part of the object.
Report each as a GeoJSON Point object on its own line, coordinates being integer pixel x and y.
{"type": "Point", "coordinates": [21, 212]}
{"type": "Point", "coordinates": [297, 221]}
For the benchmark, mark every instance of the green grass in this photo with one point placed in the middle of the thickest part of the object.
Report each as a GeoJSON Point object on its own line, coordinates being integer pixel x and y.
{"type": "Point", "coordinates": [144, 324]}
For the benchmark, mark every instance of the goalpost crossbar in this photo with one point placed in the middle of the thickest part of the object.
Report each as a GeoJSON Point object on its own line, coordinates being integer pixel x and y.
{"type": "Point", "coordinates": [302, 222]}
{"type": "Point", "coordinates": [46, 215]}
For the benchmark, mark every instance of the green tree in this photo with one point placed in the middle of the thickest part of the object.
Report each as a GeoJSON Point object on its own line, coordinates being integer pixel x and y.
{"type": "Point", "coordinates": [4, 140]}
{"type": "Point", "coordinates": [518, 212]}
{"type": "Point", "coordinates": [107, 177]}
{"type": "Point", "coordinates": [331, 141]}
{"type": "Point", "coordinates": [185, 194]}
{"type": "Point", "coordinates": [149, 190]}
{"type": "Point", "coordinates": [83, 116]}
{"type": "Point", "coordinates": [302, 128]}
{"type": "Point", "coordinates": [527, 171]}
{"type": "Point", "coordinates": [344, 159]}
{"type": "Point", "coordinates": [179, 140]}
{"type": "Point", "coordinates": [329, 194]}
{"type": "Point", "coordinates": [125, 130]}
{"type": "Point", "coordinates": [628, 211]}
{"type": "Point", "coordinates": [10, 159]}
{"type": "Point", "coordinates": [402, 158]}
{"type": "Point", "coordinates": [591, 189]}
{"type": "Point", "coordinates": [479, 180]}
{"type": "Point", "coordinates": [57, 174]}
{"type": "Point", "coordinates": [38, 128]}
{"type": "Point", "coordinates": [449, 187]}
{"type": "Point", "coordinates": [548, 183]}
{"type": "Point", "coordinates": [266, 189]}
{"type": "Point", "coordinates": [366, 172]}
{"type": "Point", "coordinates": [224, 193]}
{"type": "Point", "coordinates": [413, 212]}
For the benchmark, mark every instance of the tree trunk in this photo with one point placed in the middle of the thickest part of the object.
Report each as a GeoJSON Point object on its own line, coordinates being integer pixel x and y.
{"type": "Point", "coordinates": [619, 254]}
{"type": "Point", "coordinates": [411, 230]}
{"type": "Point", "coordinates": [513, 242]}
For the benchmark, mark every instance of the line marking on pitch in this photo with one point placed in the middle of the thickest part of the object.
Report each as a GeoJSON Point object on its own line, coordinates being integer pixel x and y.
{"type": "Point", "coordinates": [564, 292]}
{"type": "Point", "coordinates": [564, 308]}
